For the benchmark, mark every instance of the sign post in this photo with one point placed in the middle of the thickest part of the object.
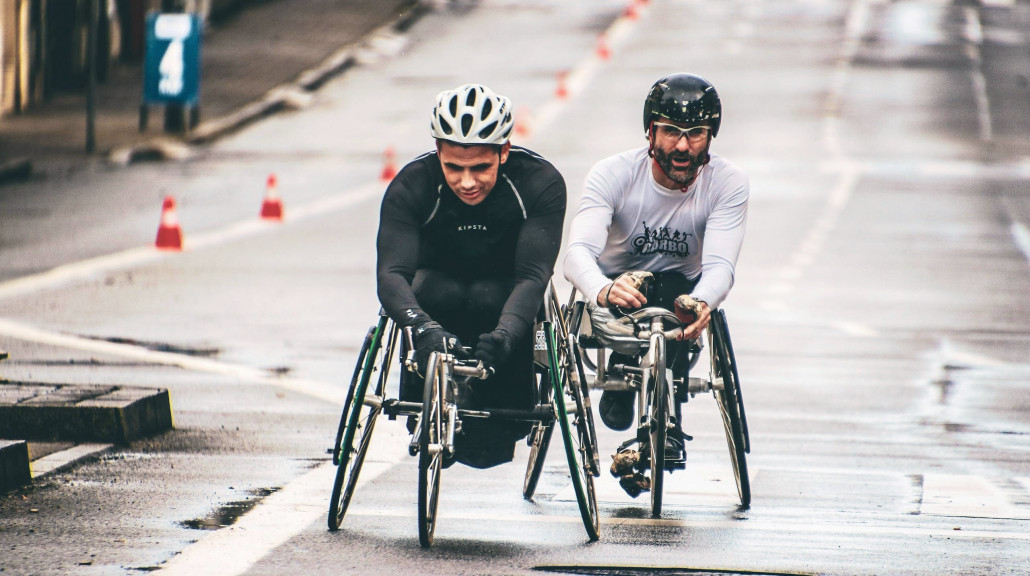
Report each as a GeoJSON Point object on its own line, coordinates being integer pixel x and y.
{"type": "Point", "coordinates": [171, 71]}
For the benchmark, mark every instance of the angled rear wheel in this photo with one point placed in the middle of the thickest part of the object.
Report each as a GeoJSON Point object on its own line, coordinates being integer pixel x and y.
{"type": "Point", "coordinates": [360, 411]}
{"type": "Point", "coordinates": [731, 405]}
{"type": "Point", "coordinates": [576, 427]}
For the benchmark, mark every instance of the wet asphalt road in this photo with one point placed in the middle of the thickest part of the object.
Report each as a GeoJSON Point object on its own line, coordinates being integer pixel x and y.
{"type": "Point", "coordinates": [880, 315]}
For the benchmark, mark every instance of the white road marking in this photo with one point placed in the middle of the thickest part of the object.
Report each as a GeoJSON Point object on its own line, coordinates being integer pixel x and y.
{"type": "Point", "coordinates": [973, 33]}
{"type": "Point", "coordinates": [579, 76]}
{"type": "Point", "coordinates": [234, 549]}
{"type": "Point", "coordinates": [86, 269]}
{"type": "Point", "coordinates": [329, 392]}
{"type": "Point", "coordinates": [966, 496]}
{"type": "Point", "coordinates": [1021, 237]}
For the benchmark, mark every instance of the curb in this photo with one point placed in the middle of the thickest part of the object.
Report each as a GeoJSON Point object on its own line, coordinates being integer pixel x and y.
{"type": "Point", "coordinates": [15, 469]}
{"type": "Point", "coordinates": [385, 40]}
{"type": "Point", "coordinates": [22, 462]}
{"type": "Point", "coordinates": [82, 413]}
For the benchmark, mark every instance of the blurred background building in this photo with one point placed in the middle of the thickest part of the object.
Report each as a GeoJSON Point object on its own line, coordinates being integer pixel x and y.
{"type": "Point", "coordinates": [44, 43]}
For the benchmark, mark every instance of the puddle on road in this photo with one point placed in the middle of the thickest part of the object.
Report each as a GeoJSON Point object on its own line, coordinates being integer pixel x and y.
{"type": "Point", "coordinates": [228, 515]}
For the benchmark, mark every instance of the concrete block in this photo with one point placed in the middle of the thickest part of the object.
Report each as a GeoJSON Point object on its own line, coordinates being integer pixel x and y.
{"type": "Point", "coordinates": [83, 413]}
{"type": "Point", "coordinates": [14, 464]}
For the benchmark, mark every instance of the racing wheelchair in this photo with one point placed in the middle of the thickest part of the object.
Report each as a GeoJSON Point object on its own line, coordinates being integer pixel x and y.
{"type": "Point", "coordinates": [562, 397]}
{"type": "Point", "coordinates": [642, 336]}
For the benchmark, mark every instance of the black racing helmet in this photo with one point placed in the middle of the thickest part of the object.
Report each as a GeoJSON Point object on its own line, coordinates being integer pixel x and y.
{"type": "Point", "coordinates": [684, 98]}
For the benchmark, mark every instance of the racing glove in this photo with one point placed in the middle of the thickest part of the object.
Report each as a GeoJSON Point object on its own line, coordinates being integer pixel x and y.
{"type": "Point", "coordinates": [494, 349]}
{"type": "Point", "coordinates": [687, 309]}
{"type": "Point", "coordinates": [431, 337]}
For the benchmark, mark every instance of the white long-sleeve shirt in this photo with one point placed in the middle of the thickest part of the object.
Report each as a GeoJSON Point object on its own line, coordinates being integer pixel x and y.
{"type": "Point", "coordinates": [627, 221]}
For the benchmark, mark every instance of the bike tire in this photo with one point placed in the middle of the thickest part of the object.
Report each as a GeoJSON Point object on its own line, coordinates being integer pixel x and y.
{"type": "Point", "coordinates": [539, 441]}
{"type": "Point", "coordinates": [430, 461]}
{"type": "Point", "coordinates": [575, 437]}
{"type": "Point", "coordinates": [658, 422]}
{"type": "Point", "coordinates": [569, 333]}
{"type": "Point", "coordinates": [731, 407]}
{"type": "Point", "coordinates": [359, 418]}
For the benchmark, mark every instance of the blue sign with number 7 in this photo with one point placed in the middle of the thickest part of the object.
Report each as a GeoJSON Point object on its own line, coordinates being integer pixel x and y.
{"type": "Point", "coordinates": [171, 71]}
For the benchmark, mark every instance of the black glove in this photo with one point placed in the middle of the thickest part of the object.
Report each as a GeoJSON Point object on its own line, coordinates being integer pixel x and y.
{"type": "Point", "coordinates": [494, 348]}
{"type": "Point", "coordinates": [431, 337]}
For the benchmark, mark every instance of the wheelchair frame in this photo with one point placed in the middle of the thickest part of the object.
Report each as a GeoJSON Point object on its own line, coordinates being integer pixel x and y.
{"type": "Point", "coordinates": [563, 397]}
{"type": "Point", "coordinates": [656, 391]}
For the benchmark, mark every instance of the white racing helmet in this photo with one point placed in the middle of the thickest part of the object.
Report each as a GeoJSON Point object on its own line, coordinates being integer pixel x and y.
{"type": "Point", "coordinates": [472, 114]}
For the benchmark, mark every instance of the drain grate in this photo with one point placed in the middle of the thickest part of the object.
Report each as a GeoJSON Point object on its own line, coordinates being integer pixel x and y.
{"type": "Point", "coordinates": [654, 571]}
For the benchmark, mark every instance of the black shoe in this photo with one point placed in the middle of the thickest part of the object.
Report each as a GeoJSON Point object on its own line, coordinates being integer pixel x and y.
{"type": "Point", "coordinates": [674, 451]}
{"type": "Point", "coordinates": [616, 409]}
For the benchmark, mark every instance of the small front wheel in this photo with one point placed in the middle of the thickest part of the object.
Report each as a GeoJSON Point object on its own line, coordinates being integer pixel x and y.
{"type": "Point", "coordinates": [658, 421]}
{"type": "Point", "coordinates": [430, 460]}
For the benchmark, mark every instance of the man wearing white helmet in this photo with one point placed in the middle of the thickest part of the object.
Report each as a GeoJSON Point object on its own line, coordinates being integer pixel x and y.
{"type": "Point", "coordinates": [661, 225]}
{"type": "Point", "coordinates": [468, 237]}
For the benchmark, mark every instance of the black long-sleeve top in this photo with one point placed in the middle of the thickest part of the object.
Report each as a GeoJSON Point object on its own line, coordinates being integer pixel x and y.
{"type": "Point", "coordinates": [514, 233]}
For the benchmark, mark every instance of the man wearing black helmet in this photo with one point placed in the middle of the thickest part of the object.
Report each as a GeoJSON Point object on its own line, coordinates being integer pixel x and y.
{"type": "Point", "coordinates": [468, 237]}
{"type": "Point", "coordinates": [661, 225]}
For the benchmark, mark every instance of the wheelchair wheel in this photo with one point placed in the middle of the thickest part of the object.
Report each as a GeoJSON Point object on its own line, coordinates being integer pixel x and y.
{"type": "Point", "coordinates": [359, 417]}
{"type": "Point", "coordinates": [539, 440]}
{"type": "Point", "coordinates": [731, 405]}
{"type": "Point", "coordinates": [430, 459]}
{"type": "Point", "coordinates": [658, 403]}
{"type": "Point", "coordinates": [570, 333]}
{"type": "Point", "coordinates": [575, 433]}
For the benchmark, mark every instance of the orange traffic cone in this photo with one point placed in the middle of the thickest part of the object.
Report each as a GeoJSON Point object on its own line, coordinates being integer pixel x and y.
{"type": "Point", "coordinates": [388, 169]}
{"type": "Point", "coordinates": [602, 48]}
{"type": "Point", "coordinates": [169, 234]}
{"type": "Point", "coordinates": [523, 122]}
{"type": "Point", "coordinates": [562, 92]}
{"type": "Point", "coordinates": [272, 207]}
{"type": "Point", "coordinates": [631, 11]}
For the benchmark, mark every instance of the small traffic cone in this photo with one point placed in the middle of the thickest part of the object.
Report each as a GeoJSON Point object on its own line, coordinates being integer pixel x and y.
{"type": "Point", "coordinates": [272, 207]}
{"type": "Point", "coordinates": [562, 92]}
{"type": "Point", "coordinates": [389, 171]}
{"type": "Point", "coordinates": [631, 12]}
{"type": "Point", "coordinates": [602, 48]}
{"type": "Point", "coordinates": [169, 234]}
{"type": "Point", "coordinates": [523, 122]}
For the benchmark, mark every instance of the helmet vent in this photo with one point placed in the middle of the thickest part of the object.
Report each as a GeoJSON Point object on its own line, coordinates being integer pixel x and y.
{"type": "Point", "coordinates": [471, 114]}
{"type": "Point", "coordinates": [485, 132]}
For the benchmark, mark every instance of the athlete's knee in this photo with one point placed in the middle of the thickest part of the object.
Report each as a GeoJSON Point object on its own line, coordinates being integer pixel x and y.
{"type": "Point", "coordinates": [488, 296]}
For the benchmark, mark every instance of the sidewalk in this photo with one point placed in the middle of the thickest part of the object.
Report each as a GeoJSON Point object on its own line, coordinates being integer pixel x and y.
{"type": "Point", "coordinates": [245, 57]}
{"type": "Point", "coordinates": [262, 58]}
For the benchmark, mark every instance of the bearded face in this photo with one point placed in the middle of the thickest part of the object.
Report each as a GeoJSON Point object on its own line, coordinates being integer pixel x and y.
{"type": "Point", "coordinates": [681, 166]}
{"type": "Point", "coordinates": [679, 151]}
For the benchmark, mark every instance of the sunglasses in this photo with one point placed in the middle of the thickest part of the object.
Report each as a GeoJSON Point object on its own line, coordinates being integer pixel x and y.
{"type": "Point", "coordinates": [674, 133]}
